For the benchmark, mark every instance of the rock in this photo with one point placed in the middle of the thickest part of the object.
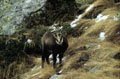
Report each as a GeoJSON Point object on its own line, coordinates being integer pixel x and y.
{"type": "Point", "coordinates": [54, 12]}
{"type": "Point", "coordinates": [29, 13]}
{"type": "Point", "coordinates": [55, 77]}
{"type": "Point", "coordinates": [13, 12]}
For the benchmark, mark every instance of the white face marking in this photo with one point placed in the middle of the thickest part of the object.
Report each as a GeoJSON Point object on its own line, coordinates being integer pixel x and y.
{"type": "Point", "coordinates": [59, 43]}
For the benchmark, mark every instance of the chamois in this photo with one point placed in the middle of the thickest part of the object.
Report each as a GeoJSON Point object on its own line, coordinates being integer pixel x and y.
{"type": "Point", "coordinates": [53, 43]}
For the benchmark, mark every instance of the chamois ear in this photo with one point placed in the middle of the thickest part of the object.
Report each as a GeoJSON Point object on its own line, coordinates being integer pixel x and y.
{"type": "Point", "coordinates": [52, 31]}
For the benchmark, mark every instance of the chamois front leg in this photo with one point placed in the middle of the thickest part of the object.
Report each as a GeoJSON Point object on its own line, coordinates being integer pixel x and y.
{"type": "Point", "coordinates": [54, 60]}
{"type": "Point", "coordinates": [60, 59]}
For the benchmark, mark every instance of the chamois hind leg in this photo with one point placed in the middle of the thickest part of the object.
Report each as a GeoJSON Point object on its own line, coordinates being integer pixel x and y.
{"type": "Point", "coordinates": [43, 60]}
{"type": "Point", "coordinates": [47, 58]}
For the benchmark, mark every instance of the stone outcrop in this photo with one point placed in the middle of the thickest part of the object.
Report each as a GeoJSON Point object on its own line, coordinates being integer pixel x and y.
{"type": "Point", "coordinates": [29, 13]}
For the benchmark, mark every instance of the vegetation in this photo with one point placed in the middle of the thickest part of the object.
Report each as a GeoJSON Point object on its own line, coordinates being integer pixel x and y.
{"type": "Point", "coordinates": [14, 57]}
{"type": "Point", "coordinates": [85, 1]}
{"type": "Point", "coordinates": [87, 57]}
{"type": "Point", "coordinates": [119, 15]}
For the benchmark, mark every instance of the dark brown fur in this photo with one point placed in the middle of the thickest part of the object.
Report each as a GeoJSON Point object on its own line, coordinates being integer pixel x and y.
{"type": "Point", "coordinates": [49, 46]}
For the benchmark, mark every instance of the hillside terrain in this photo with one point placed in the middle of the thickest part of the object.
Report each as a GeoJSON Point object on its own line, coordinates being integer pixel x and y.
{"type": "Point", "coordinates": [93, 52]}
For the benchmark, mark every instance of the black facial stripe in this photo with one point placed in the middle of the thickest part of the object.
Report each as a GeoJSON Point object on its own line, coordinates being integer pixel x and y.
{"type": "Point", "coordinates": [61, 38]}
{"type": "Point", "coordinates": [58, 36]}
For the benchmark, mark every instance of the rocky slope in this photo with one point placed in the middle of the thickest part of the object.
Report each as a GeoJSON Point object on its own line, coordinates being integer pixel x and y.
{"type": "Point", "coordinates": [94, 51]}
{"type": "Point", "coordinates": [21, 13]}
{"type": "Point", "coordinates": [94, 45]}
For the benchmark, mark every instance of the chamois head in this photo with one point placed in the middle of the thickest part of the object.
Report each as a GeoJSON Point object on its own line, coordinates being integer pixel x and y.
{"type": "Point", "coordinates": [57, 33]}
{"type": "Point", "coordinates": [59, 37]}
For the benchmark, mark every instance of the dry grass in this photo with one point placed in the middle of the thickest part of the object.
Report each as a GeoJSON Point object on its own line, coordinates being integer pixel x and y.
{"type": "Point", "coordinates": [47, 72]}
{"type": "Point", "coordinates": [109, 26]}
{"type": "Point", "coordinates": [15, 69]}
{"type": "Point", "coordinates": [106, 26]}
{"type": "Point", "coordinates": [111, 12]}
{"type": "Point", "coordinates": [88, 57]}
{"type": "Point", "coordinates": [95, 70]}
{"type": "Point", "coordinates": [109, 3]}
{"type": "Point", "coordinates": [100, 64]}
{"type": "Point", "coordinates": [82, 26]}
{"type": "Point", "coordinates": [37, 72]}
{"type": "Point", "coordinates": [98, 7]}
{"type": "Point", "coordinates": [77, 75]}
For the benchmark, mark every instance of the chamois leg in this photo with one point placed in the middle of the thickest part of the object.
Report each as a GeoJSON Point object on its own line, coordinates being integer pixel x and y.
{"type": "Point", "coordinates": [54, 60]}
{"type": "Point", "coordinates": [43, 60]}
{"type": "Point", "coordinates": [47, 58]}
{"type": "Point", "coordinates": [60, 58]}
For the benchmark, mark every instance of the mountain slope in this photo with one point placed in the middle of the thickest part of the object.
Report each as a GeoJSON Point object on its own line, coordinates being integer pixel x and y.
{"type": "Point", "coordinates": [92, 53]}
